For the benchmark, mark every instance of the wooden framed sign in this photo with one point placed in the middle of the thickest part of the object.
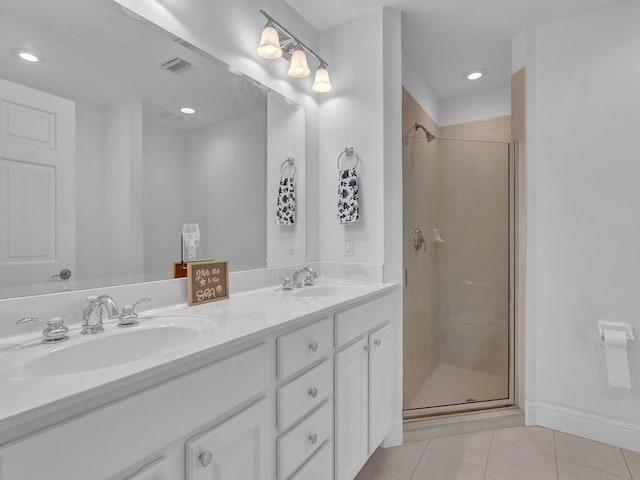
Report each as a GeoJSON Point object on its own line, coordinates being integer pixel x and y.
{"type": "Point", "coordinates": [207, 281]}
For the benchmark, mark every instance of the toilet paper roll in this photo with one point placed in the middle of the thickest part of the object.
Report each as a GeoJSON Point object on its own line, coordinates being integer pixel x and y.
{"type": "Point", "coordinates": [615, 351]}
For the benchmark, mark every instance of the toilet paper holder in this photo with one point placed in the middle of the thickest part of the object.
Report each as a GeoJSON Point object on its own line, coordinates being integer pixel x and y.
{"type": "Point", "coordinates": [624, 327]}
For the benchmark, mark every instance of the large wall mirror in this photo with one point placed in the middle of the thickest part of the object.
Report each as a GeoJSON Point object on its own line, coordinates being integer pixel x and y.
{"type": "Point", "coordinates": [119, 135]}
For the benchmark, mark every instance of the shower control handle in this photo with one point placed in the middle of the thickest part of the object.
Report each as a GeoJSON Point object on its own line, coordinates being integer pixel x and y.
{"type": "Point", "coordinates": [418, 240]}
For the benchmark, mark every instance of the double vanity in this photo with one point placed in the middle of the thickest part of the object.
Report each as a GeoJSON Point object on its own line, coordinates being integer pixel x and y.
{"type": "Point", "coordinates": [269, 384]}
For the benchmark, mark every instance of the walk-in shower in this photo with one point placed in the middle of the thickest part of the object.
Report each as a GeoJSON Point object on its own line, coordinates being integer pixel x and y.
{"type": "Point", "coordinates": [458, 327]}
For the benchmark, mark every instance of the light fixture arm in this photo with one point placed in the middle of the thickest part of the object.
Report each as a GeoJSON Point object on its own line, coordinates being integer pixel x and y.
{"type": "Point", "coordinates": [296, 40]}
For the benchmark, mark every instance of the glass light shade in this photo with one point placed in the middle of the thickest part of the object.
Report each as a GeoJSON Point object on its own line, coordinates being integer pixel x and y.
{"type": "Point", "coordinates": [321, 82]}
{"type": "Point", "coordinates": [269, 43]}
{"type": "Point", "coordinates": [299, 67]}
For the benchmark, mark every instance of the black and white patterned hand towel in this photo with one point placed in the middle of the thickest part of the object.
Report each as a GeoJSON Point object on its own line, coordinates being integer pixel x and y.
{"type": "Point", "coordinates": [286, 212]}
{"type": "Point", "coordinates": [348, 197]}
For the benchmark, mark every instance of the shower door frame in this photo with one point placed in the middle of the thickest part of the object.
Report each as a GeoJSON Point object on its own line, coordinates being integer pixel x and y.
{"type": "Point", "coordinates": [511, 400]}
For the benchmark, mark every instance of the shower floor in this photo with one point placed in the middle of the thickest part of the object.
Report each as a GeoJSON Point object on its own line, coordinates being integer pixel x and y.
{"type": "Point", "coordinates": [451, 385]}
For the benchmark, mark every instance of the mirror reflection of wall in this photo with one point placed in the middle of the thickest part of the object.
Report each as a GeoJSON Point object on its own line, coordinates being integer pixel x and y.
{"type": "Point", "coordinates": [119, 135]}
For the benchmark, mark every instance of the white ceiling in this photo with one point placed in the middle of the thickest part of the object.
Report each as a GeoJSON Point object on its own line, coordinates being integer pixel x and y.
{"type": "Point", "coordinates": [446, 38]}
{"type": "Point", "coordinates": [92, 52]}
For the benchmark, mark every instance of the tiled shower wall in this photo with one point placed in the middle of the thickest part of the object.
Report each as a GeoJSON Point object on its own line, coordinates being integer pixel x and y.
{"type": "Point", "coordinates": [457, 291]}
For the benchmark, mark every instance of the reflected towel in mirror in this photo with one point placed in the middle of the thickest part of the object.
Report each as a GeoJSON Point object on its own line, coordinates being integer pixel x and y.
{"type": "Point", "coordinates": [286, 211]}
{"type": "Point", "coordinates": [348, 196]}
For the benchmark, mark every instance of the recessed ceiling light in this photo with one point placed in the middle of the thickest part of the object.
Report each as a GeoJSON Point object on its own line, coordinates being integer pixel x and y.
{"type": "Point", "coordinates": [475, 74]}
{"type": "Point", "coordinates": [27, 56]}
{"type": "Point", "coordinates": [188, 110]}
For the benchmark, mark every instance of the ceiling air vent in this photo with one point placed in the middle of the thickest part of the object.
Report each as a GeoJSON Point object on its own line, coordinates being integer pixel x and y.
{"type": "Point", "coordinates": [176, 65]}
{"type": "Point", "coordinates": [172, 117]}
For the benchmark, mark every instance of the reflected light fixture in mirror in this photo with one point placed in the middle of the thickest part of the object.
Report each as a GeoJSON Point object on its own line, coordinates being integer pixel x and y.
{"type": "Point", "coordinates": [269, 47]}
{"type": "Point", "coordinates": [276, 41]}
{"type": "Point", "coordinates": [475, 75]}
{"type": "Point", "coordinates": [27, 56]}
{"type": "Point", "coordinates": [299, 68]}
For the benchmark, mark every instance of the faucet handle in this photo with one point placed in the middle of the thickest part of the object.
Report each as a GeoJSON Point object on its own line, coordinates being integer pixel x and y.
{"type": "Point", "coordinates": [128, 317]}
{"type": "Point", "coordinates": [287, 282]}
{"type": "Point", "coordinates": [142, 300]}
{"type": "Point", "coordinates": [55, 331]}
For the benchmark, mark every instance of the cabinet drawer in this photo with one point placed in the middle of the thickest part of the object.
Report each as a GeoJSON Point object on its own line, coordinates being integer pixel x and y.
{"type": "Point", "coordinates": [320, 467]}
{"type": "Point", "coordinates": [298, 397]}
{"type": "Point", "coordinates": [301, 348]}
{"type": "Point", "coordinates": [357, 321]}
{"type": "Point", "coordinates": [298, 445]}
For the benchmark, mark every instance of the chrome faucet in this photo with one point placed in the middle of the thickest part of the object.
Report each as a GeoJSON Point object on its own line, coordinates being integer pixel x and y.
{"type": "Point", "coordinates": [304, 276]}
{"type": "Point", "coordinates": [92, 313]}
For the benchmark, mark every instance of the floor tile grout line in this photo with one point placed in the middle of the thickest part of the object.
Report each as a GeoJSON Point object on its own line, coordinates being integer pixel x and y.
{"type": "Point", "coordinates": [555, 451]}
{"type": "Point", "coordinates": [486, 464]}
{"type": "Point", "coordinates": [527, 448]}
{"type": "Point", "coordinates": [627, 464]}
{"type": "Point", "coordinates": [415, 467]}
{"type": "Point", "coordinates": [599, 470]}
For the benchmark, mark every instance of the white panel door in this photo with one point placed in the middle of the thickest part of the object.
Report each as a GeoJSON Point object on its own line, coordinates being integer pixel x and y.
{"type": "Point", "coordinates": [37, 186]}
{"type": "Point", "coordinates": [237, 449]}
{"type": "Point", "coordinates": [380, 386]}
{"type": "Point", "coordinates": [351, 410]}
{"type": "Point", "coordinates": [156, 470]}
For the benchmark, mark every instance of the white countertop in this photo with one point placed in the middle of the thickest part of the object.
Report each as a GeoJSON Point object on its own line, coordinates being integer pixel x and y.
{"type": "Point", "coordinates": [242, 317]}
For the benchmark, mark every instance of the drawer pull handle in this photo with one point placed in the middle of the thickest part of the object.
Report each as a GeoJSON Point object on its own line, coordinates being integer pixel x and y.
{"type": "Point", "coordinates": [205, 458]}
{"type": "Point", "coordinates": [377, 342]}
{"type": "Point", "coordinates": [367, 347]}
{"type": "Point", "coordinates": [313, 438]}
{"type": "Point", "coordinates": [313, 392]}
{"type": "Point", "coordinates": [313, 346]}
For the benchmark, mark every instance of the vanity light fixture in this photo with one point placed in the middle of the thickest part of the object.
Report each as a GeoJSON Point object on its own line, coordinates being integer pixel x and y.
{"type": "Point", "coordinates": [278, 42]}
{"type": "Point", "coordinates": [299, 68]}
{"type": "Point", "coordinates": [475, 74]}
{"type": "Point", "coordinates": [187, 110]}
{"type": "Point", "coordinates": [269, 47]}
{"type": "Point", "coordinates": [321, 82]}
{"type": "Point", "coordinates": [27, 56]}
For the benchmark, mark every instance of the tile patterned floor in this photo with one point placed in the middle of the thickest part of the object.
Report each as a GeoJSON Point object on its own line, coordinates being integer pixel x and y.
{"type": "Point", "coordinates": [520, 453]}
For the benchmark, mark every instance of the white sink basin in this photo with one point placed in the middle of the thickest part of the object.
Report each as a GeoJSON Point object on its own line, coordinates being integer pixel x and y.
{"type": "Point", "coordinates": [112, 348]}
{"type": "Point", "coordinates": [323, 291]}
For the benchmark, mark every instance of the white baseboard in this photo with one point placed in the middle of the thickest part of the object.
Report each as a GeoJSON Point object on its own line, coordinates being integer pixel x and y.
{"type": "Point", "coordinates": [583, 424]}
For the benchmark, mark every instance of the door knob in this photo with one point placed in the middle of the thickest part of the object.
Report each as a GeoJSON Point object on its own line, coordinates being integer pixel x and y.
{"type": "Point", "coordinates": [313, 392]}
{"type": "Point", "coordinates": [313, 346]}
{"type": "Point", "coordinates": [313, 438]}
{"type": "Point", "coordinates": [65, 274]}
{"type": "Point", "coordinates": [205, 458]}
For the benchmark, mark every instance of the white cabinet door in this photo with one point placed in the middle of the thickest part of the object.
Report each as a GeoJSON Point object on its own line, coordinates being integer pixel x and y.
{"type": "Point", "coordinates": [351, 410]}
{"type": "Point", "coordinates": [380, 386]}
{"type": "Point", "coordinates": [237, 449]}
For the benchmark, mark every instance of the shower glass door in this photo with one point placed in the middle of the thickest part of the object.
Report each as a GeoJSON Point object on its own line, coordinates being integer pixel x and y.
{"type": "Point", "coordinates": [458, 330]}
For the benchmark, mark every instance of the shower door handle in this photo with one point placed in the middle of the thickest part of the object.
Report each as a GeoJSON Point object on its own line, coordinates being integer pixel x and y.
{"type": "Point", "coordinates": [418, 240]}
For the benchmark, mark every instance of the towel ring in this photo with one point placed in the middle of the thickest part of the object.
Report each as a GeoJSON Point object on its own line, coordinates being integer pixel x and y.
{"type": "Point", "coordinates": [349, 152]}
{"type": "Point", "coordinates": [289, 161]}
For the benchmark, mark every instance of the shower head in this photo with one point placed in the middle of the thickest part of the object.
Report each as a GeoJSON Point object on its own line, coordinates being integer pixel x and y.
{"type": "Point", "coordinates": [430, 136]}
